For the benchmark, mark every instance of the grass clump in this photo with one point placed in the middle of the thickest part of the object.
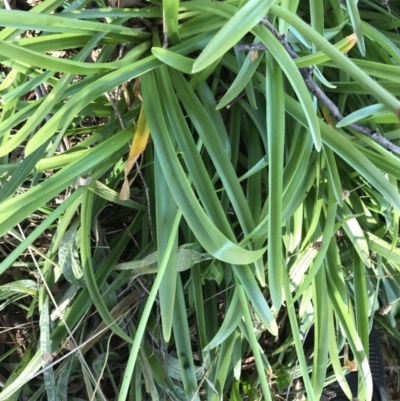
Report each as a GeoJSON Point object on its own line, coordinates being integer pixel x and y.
{"type": "Point", "coordinates": [187, 188]}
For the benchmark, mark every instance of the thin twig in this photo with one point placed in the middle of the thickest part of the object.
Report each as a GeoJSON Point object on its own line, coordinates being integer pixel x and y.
{"type": "Point", "coordinates": [314, 88]}
{"type": "Point", "coordinates": [115, 107]}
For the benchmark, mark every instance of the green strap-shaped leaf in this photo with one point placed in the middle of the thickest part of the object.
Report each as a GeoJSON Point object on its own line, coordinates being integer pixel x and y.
{"type": "Point", "coordinates": [356, 24]}
{"type": "Point", "coordinates": [335, 282]}
{"type": "Point", "coordinates": [69, 259]}
{"type": "Point", "coordinates": [180, 63]}
{"type": "Point", "coordinates": [242, 79]}
{"type": "Point", "coordinates": [27, 369]}
{"type": "Point", "coordinates": [341, 60]}
{"type": "Point", "coordinates": [214, 141]}
{"type": "Point", "coordinates": [63, 380]}
{"type": "Point", "coordinates": [254, 345]}
{"type": "Point", "coordinates": [183, 344]}
{"type": "Point", "coordinates": [360, 114]}
{"type": "Point", "coordinates": [296, 337]}
{"type": "Point", "coordinates": [212, 240]}
{"type": "Point", "coordinates": [145, 12]}
{"type": "Point", "coordinates": [320, 359]}
{"type": "Point", "coordinates": [137, 343]}
{"type": "Point", "coordinates": [170, 10]}
{"type": "Point", "coordinates": [186, 259]}
{"type": "Point", "coordinates": [43, 8]}
{"type": "Point", "coordinates": [349, 153]}
{"type": "Point", "coordinates": [166, 210]}
{"type": "Point", "coordinates": [45, 348]}
{"type": "Point", "coordinates": [290, 5]}
{"type": "Point", "coordinates": [56, 23]}
{"type": "Point", "coordinates": [229, 324]}
{"type": "Point", "coordinates": [276, 141]}
{"type": "Point", "coordinates": [21, 367]}
{"type": "Point", "coordinates": [246, 278]}
{"type": "Point", "coordinates": [86, 259]}
{"type": "Point", "coordinates": [21, 287]}
{"type": "Point", "coordinates": [36, 196]}
{"type": "Point", "coordinates": [230, 34]}
{"type": "Point", "coordinates": [293, 75]}
{"type": "Point", "coordinates": [333, 353]}
{"type": "Point", "coordinates": [361, 300]}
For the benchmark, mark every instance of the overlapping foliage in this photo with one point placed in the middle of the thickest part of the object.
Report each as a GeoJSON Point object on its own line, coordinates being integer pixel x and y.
{"type": "Point", "coordinates": [192, 265]}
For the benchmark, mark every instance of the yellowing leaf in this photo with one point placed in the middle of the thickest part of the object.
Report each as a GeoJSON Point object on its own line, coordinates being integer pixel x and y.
{"type": "Point", "coordinates": [138, 146]}
{"type": "Point", "coordinates": [348, 42]}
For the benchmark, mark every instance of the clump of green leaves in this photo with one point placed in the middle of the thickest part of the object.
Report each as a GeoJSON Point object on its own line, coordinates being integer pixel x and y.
{"type": "Point", "coordinates": [289, 219]}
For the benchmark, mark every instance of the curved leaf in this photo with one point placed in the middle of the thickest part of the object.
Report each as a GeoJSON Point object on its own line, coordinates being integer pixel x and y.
{"type": "Point", "coordinates": [230, 34]}
{"type": "Point", "coordinates": [212, 240]}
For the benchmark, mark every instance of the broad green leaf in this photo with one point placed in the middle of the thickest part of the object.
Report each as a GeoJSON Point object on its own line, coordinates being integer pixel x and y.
{"type": "Point", "coordinates": [177, 123]}
{"type": "Point", "coordinates": [110, 195]}
{"type": "Point", "coordinates": [46, 106]}
{"type": "Point", "coordinates": [197, 290]}
{"type": "Point", "coordinates": [214, 141]}
{"type": "Point", "coordinates": [94, 13]}
{"type": "Point", "coordinates": [46, 7]}
{"type": "Point", "coordinates": [355, 233]}
{"type": "Point", "coordinates": [22, 173]}
{"type": "Point", "coordinates": [383, 248]}
{"type": "Point", "coordinates": [30, 57]}
{"type": "Point", "coordinates": [290, 5]}
{"type": "Point", "coordinates": [333, 354]}
{"type": "Point", "coordinates": [333, 172]}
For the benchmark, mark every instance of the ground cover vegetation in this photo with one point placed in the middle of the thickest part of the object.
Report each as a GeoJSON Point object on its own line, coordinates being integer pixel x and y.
{"type": "Point", "coordinates": [186, 188]}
